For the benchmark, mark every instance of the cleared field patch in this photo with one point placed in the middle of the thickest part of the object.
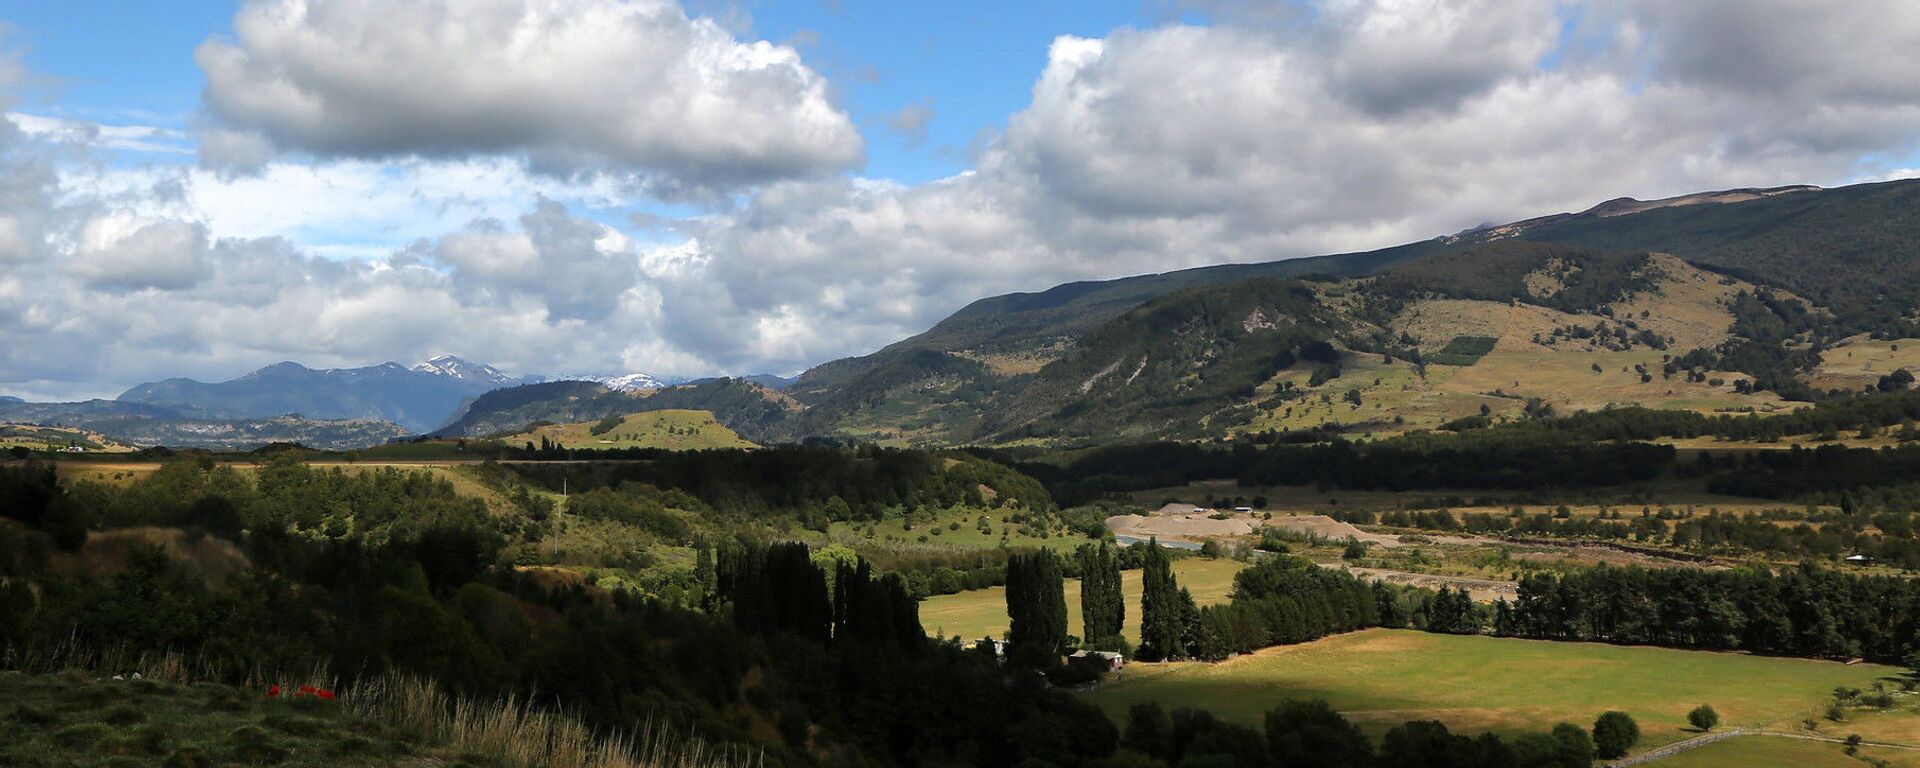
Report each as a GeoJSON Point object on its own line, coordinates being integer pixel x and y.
{"type": "Point", "coordinates": [37, 438]}
{"type": "Point", "coordinates": [1381, 678]}
{"type": "Point", "coordinates": [950, 529]}
{"type": "Point", "coordinates": [111, 473]}
{"type": "Point", "coordinates": [464, 480]}
{"type": "Point", "coordinates": [1464, 350]}
{"type": "Point", "coordinates": [1859, 362]}
{"type": "Point", "coordinates": [1568, 381]}
{"type": "Point", "coordinates": [983, 612]}
{"type": "Point", "coordinates": [677, 430]}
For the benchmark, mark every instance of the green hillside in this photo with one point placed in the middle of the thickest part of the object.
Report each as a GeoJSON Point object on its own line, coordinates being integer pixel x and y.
{"type": "Point", "coordinates": [1568, 312]}
{"type": "Point", "coordinates": [672, 429]}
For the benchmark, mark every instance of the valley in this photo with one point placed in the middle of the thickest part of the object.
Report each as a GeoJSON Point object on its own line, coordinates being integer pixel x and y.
{"type": "Point", "coordinates": [1477, 485]}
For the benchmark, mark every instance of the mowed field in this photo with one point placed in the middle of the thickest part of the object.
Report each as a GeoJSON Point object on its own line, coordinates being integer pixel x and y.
{"type": "Point", "coordinates": [1380, 678]}
{"type": "Point", "coordinates": [983, 612]}
{"type": "Point", "coordinates": [678, 430]}
{"type": "Point", "coordinates": [1782, 751]}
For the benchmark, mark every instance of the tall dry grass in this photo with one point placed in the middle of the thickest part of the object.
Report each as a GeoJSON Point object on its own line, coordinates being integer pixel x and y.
{"type": "Point", "coordinates": [516, 731]}
{"type": "Point", "coordinates": [511, 729]}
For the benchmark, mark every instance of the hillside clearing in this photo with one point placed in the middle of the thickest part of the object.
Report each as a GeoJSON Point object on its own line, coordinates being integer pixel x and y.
{"type": "Point", "coordinates": [673, 429]}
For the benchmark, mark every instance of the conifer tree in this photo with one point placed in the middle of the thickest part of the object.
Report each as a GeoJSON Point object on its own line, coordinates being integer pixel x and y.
{"type": "Point", "coordinates": [1162, 623]}
{"type": "Point", "coordinates": [1103, 610]}
{"type": "Point", "coordinates": [1036, 600]}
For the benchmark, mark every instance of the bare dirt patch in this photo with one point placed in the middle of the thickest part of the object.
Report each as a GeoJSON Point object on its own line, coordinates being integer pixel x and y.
{"type": "Point", "coordinates": [1329, 528]}
{"type": "Point", "coordinates": [1182, 527]}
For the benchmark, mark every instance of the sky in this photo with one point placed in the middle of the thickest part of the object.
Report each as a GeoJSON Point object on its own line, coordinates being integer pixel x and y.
{"type": "Point", "coordinates": [702, 188]}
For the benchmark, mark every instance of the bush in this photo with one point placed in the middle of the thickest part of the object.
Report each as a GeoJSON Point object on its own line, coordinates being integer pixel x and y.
{"type": "Point", "coordinates": [1703, 717]}
{"type": "Point", "coordinates": [1613, 734]}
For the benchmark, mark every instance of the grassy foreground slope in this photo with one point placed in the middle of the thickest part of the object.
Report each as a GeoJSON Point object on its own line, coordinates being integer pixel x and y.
{"type": "Point", "coordinates": [72, 720]}
{"type": "Point", "coordinates": [1381, 678]}
{"type": "Point", "coordinates": [76, 718]}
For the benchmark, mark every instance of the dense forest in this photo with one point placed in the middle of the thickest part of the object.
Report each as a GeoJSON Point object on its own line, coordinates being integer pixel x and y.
{"type": "Point", "coordinates": [830, 653]}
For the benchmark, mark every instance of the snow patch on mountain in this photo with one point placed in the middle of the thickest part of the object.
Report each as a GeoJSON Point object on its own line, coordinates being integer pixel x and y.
{"type": "Point", "coordinates": [464, 370]}
{"type": "Point", "coordinates": [626, 382]}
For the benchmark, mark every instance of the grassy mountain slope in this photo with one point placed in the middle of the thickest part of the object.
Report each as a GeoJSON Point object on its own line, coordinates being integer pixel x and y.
{"type": "Point", "coordinates": [1855, 250]}
{"type": "Point", "coordinates": [672, 429]}
{"type": "Point", "coordinates": [1163, 366]}
{"type": "Point", "coordinates": [1073, 309]}
{"type": "Point", "coordinates": [1507, 327]}
{"type": "Point", "coordinates": [1681, 303]}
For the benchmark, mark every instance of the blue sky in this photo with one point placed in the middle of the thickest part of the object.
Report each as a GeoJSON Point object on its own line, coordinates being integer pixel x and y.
{"type": "Point", "coordinates": [972, 64]}
{"type": "Point", "coordinates": [696, 187]}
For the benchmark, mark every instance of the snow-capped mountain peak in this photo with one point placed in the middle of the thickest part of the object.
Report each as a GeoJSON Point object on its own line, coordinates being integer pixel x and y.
{"type": "Point", "coordinates": [626, 382]}
{"type": "Point", "coordinates": [464, 370]}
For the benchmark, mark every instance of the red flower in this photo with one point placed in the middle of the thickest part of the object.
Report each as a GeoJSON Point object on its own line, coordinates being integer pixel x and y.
{"type": "Point", "coordinates": [324, 693]}
{"type": "Point", "coordinates": [273, 691]}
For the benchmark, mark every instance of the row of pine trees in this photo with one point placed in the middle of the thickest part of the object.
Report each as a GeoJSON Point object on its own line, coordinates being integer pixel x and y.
{"type": "Point", "coordinates": [1037, 607]}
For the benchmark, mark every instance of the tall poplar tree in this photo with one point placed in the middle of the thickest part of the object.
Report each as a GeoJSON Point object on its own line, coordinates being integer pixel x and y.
{"type": "Point", "coordinates": [1162, 613]}
{"type": "Point", "coordinates": [1036, 600]}
{"type": "Point", "coordinates": [1103, 608]}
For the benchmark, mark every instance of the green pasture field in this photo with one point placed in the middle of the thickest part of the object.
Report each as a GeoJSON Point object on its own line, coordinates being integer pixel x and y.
{"type": "Point", "coordinates": [1748, 751]}
{"type": "Point", "coordinates": [1381, 678]}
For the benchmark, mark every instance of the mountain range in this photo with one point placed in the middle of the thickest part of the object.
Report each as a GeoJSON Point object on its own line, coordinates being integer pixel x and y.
{"type": "Point", "coordinates": [1718, 301]}
{"type": "Point", "coordinates": [1733, 300]}
{"type": "Point", "coordinates": [289, 402]}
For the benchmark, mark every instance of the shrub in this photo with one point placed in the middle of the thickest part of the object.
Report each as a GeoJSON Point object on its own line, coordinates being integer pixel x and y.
{"type": "Point", "coordinates": [1613, 734]}
{"type": "Point", "coordinates": [1703, 717]}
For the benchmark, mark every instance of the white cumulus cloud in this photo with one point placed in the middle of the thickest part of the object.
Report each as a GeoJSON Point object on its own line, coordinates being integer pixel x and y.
{"type": "Point", "coordinates": [574, 86]}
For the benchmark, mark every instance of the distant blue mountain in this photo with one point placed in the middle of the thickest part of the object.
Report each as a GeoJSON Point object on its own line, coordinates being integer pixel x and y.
{"type": "Point", "coordinates": [418, 399]}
